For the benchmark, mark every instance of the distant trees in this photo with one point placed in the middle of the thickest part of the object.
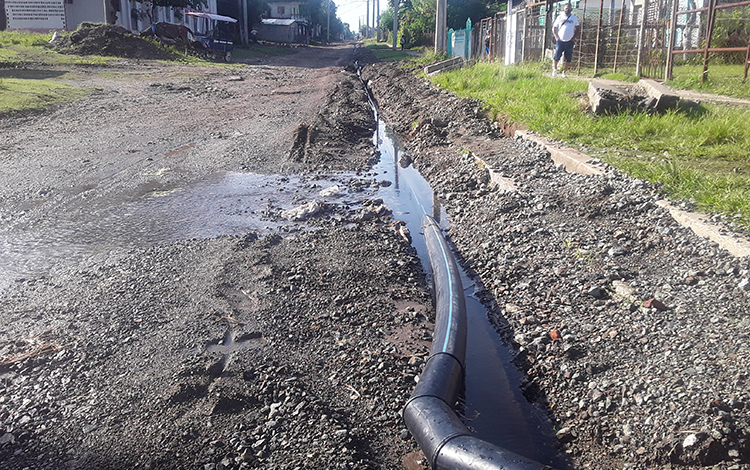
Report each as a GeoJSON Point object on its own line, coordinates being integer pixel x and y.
{"type": "Point", "coordinates": [416, 18]}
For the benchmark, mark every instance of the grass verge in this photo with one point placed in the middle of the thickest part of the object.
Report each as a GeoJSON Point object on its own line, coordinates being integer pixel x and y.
{"type": "Point", "coordinates": [20, 94]}
{"type": "Point", "coordinates": [386, 53]}
{"type": "Point", "coordinates": [701, 155]}
{"type": "Point", "coordinates": [722, 79]}
{"type": "Point", "coordinates": [259, 51]}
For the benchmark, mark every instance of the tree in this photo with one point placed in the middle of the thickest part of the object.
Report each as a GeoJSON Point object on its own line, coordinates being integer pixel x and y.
{"type": "Point", "coordinates": [459, 10]}
{"type": "Point", "coordinates": [417, 17]}
{"type": "Point", "coordinates": [255, 9]}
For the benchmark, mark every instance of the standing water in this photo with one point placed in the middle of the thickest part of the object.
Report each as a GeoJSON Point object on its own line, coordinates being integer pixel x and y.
{"type": "Point", "coordinates": [493, 404]}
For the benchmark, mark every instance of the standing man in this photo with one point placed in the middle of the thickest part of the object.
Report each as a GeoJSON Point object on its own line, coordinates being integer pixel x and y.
{"type": "Point", "coordinates": [564, 28]}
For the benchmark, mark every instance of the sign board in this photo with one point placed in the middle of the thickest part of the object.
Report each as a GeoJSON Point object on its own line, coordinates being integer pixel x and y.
{"type": "Point", "coordinates": [35, 14]}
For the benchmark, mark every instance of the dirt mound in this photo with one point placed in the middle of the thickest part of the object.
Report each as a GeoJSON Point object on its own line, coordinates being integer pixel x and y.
{"type": "Point", "coordinates": [109, 40]}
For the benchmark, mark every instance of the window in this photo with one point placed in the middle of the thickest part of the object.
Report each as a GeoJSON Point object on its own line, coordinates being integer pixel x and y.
{"type": "Point", "coordinates": [280, 10]}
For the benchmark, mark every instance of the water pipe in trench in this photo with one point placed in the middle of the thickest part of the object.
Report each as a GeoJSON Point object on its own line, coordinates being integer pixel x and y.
{"type": "Point", "coordinates": [429, 414]}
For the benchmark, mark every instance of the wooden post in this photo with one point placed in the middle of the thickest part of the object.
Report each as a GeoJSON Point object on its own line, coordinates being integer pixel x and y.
{"type": "Point", "coordinates": [709, 33]}
{"type": "Point", "coordinates": [641, 40]}
{"type": "Point", "coordinates": [598, 36]}
{"type": "Point", "coordinates": [619, 32]}
{"type": "Point", "coordinates": [580, 37]}
{"type": "Point", "coordinates": [670, 46]}
{"type": "Point", "coordinates": [547, 25]}
{"type": "Point", "coordinates": [747, 59]}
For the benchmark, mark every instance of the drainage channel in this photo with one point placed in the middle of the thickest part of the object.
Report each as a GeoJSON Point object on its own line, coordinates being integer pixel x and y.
{"type": "Point", "coordinates": [493, 405]}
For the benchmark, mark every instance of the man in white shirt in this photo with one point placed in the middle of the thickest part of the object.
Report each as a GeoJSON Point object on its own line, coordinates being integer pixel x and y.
{"type": "Point", "coordinates": [564, 28]}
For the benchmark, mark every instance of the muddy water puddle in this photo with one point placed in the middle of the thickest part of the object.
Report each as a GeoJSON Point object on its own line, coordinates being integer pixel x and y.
{"type": "Point", "coordinates": [86, 227]}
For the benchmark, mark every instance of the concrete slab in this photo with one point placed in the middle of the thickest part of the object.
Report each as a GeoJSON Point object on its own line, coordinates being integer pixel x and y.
{"type": "Point", "coordinates": [572, 160]}
{"type": "Point", "coordinates": [443, 66]}
{"type": "Point", "coordinates": [698, 223]}
{"type": "Point", "coordinates": [665, 97]}
{"type": "Point", "coordinates": [605, 98]}
{"type": "Point", "coordinates": [577, 162]}
{"type": "Point", "coordinates": [502, 183]}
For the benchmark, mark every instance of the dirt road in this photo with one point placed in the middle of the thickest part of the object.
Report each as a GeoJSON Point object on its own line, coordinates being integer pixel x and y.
{"type": "Point", "coordinates": [156, 312]}
{"type": "Point", "coordinates": [160, 309]}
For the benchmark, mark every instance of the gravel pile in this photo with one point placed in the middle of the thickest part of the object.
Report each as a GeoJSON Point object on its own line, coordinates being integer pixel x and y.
{"type": "Point", "coordinates": [632, 331]}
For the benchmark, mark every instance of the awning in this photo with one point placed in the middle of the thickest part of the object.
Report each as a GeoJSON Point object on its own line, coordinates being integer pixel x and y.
{"type": "Point", "coordinates": [211, 16]}
{"type": "Point", "coordinates": [282, 21]}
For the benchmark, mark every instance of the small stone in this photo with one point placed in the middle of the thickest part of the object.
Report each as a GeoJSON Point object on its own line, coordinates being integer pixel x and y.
{"type": "Point", "coordinates": [617, 251]}
{"type": "Point", "coordinates": [690, 441]}
{"type": "Point", "coordinates": [565, 435]}
{"type": "Point", "coordinates": [622, 288]}
{"type": "Point", "coordinates": [744, 284]}
{"type": "Point", "coordinates": [597, 292]}
{"type": "Point", "coordinates": [331, 191]}
{"type": "Point", "coordinates": [653, 303]}
{"type": "Point", "coordinates": [555, 335]}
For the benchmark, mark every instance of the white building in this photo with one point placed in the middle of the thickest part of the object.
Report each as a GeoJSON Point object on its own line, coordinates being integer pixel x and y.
{"type": "Point", "coordinates": [47, 15]}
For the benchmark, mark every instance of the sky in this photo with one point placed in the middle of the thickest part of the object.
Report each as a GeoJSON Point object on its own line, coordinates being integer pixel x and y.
{"type": "Point", "coordinates": [351, 11]}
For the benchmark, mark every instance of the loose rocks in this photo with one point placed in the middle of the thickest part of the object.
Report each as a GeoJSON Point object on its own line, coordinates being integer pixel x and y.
{"type": "Point", "coordinates": [646, 366]}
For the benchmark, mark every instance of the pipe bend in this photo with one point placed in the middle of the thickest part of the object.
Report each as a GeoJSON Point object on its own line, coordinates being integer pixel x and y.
{"type": "Point", "coordinates": [429, 414]}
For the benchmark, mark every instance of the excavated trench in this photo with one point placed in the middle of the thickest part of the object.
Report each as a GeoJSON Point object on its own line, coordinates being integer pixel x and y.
{"type": "Point", "coordinates": [491, 401]}
{"type": "Point", "coordinates": [234, 203]}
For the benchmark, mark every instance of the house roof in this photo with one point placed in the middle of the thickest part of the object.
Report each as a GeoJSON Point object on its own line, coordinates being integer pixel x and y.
{"type": "Point", "coordinates": [282, 21]}
{"type": "Point", "coordinates": [211, 16]}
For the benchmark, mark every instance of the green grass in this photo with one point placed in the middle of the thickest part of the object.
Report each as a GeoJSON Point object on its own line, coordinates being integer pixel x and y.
{"type": "Point", "coordinates": [23, 38]}
{"type": "Point", "coordinates": [385, 53]}
{"type": "Point", "coordinates": [259, 51]}
{"type": "Point", "coordinates": [701, 155]}
{"type": "Point", "coordinates": [21, 94]}
{"type": "Point", "coordinates": [722, 79]}
{"type": "Point", "coordinates": [19, 48]}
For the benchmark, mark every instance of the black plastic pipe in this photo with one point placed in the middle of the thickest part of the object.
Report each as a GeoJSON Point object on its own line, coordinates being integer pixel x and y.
{"type": "Point", "coordinates": [428, 414]}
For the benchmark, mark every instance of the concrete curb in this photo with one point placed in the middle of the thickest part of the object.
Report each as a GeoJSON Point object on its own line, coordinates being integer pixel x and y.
{"type": "Point", "coordinates": [572, 160]}
{"type": "Point", "coordinates": [576, 162]}
{"type": "Point", "coordinates": [737, 245]}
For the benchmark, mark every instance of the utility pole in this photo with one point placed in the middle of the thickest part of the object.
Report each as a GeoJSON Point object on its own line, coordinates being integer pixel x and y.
{"type": "Point", "coordinates": [395, 24]}
{"type": "Point", "coordinates": [246, 37]}
{"type": "Point", "coordinates": [440, 24]}
{"type": "Point", "coordinates": [641, 40]}
{"type": "Point", "coordinates": [367, 20]}
{"type": "Point", "coordinates": [377, 23]}
{"type": "Point", "coordinates": [328, 21]}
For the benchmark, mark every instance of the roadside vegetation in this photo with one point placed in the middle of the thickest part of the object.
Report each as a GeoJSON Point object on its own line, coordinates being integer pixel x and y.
{"type": "Point", "coordinates": [27, 48]}
{"type": "Point", "coordinates": [20, 94]}
{"type": "Point", "coordinates": [414, 56]}
{"type": "Point", "coordinates": [25, 86]}
{"type": "Point", "coordinates": [700, 155]}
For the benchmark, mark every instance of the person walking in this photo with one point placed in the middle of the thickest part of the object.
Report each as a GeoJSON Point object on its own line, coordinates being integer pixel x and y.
{"type": "Point", "coordinates": [564, 28]}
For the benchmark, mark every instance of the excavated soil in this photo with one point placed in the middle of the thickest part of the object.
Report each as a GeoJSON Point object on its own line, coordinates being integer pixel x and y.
{"type": "Point", "coordinates": [288, 347]}
{"type": "Point", "coordinates": [632, 331]}
{"type": "Point", "coordinates": [296, 346]}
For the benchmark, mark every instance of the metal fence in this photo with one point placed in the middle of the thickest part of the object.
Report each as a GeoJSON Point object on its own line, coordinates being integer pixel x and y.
{"type": "Point", "coordinates": [642, 37]}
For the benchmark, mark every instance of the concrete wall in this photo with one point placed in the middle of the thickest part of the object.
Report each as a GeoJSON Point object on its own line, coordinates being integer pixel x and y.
{"type": "Point", "coordinates": [276, 33]}
{"type": "Point", "coordinates": [80, 11]}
